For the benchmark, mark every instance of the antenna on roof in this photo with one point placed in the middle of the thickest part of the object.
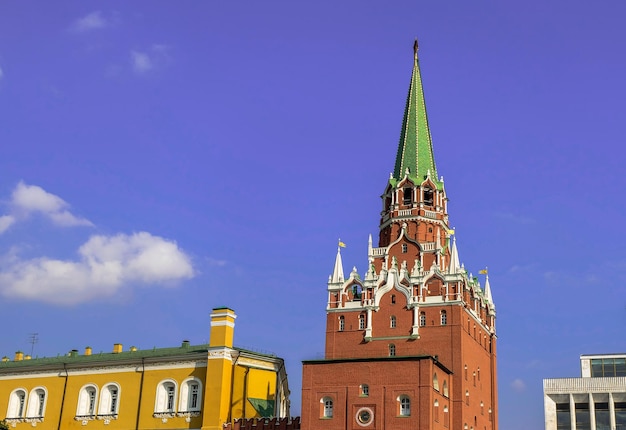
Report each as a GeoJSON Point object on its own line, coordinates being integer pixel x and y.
{"type": "Point", "coordinates": [33, 338]}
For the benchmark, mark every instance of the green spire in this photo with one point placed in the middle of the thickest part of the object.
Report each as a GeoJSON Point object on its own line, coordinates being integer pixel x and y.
{"type": "Point", "coordinates": [415, 150]}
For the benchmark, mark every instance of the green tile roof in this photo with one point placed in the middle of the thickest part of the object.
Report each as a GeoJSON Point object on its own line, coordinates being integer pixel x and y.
{"type": "Point", "coordinates": [415, 150]}
{"type": "Point", "coordinates": [74, 358]}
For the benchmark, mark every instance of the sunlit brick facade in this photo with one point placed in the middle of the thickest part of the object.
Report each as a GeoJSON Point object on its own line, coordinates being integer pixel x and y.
{"type": "Point", "coordinates": [411, 344]}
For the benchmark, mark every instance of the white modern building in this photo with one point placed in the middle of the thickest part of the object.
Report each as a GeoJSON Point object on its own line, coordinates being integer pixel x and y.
{"type": "Point", "coordinates": [595, 401]}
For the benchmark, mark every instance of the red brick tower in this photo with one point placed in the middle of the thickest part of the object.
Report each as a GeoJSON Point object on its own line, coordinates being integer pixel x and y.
{"type": "Point", "coordinates": [412, 344]}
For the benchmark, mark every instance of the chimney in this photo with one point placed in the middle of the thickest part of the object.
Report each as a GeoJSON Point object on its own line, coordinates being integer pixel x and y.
{"type": "Point", "coordinates": [222, 327]}
{"type": "Point", "coordinates": [73, 353]}
{"type": "Point", "coordinates": [117, 348]}
{"type": "Point", "coordinates": [87, 350]}
{"type": "Point", "coordinates": [185, 344]}
{"type": "Point", "coordinates": [19, 356]}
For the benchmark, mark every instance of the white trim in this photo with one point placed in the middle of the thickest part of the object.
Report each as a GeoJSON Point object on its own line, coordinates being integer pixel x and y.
{"type": "Point", "coordinates": [222, 323]}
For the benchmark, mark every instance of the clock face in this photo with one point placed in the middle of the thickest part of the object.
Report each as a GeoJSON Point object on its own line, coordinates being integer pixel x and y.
{"type": "Point", "coordinates": [364, 416]}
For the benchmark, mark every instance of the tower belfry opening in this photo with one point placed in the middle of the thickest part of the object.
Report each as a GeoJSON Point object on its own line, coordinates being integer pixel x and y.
{"type": "Point", "coordinates": [418, 315]}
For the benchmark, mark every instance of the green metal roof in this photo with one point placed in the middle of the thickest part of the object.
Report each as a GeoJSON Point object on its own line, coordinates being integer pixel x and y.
{"type": "Point", "coordinates": [155, 354]}
{"type": "Point", "coordinates": [415, 150]}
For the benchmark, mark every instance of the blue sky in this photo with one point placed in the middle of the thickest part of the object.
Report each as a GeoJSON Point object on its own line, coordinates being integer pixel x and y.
{"type": "Point", "coordinates": [159, 159]}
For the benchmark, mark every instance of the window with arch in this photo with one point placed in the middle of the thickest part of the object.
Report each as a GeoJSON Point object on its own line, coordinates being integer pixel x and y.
{"type": "Point", "coordinates": [465, 370]}
{"type": "Point", "coordinates": [478, 373]}
{"type": "Point", "coordinates": [17, 404]}
{"type": "Point", "coordinates": [444, 318]}
{"type": "Point", "coordinates": [405, 405]}
{"type": "Point", "coordinates": [482, 408]}
{"type": "Point", "coordinates": [87, 401]}
{"type": "Point", "coordinates": [327, 407]}
{"type": "Point", "coordinates": [407, 196]}
{"type": "Point", "coordinates": [428, 196]}
{"type": "Point", "coordinates": [435, 382]}
{"type": "Point", "coordinates": [445, 388]}
{"type": "Point", "coordinates": [422, 319]}
{"type": "Point", "coordinates": [361, 322]}
{"type": "Point", "coordinates": [109, 400]}
{"type": "Point", "coordinates": [392, 321]}
{"type": "Point", "coordinates": [405, 248]}
{"type": "Point", "coordinates": [190, 395]}
{"type": "Point", "coordinates": [342, 323]}
{"type": "Point", "coordinates": [467, 397]}
{"type": "Point", "coordinates": [36, 403]}
{"type": "Point", "coordinates": [446, 417]}
{"type": "Point", "coordinates": [165, 396]}
{"type": "Point", "coordinates": [365, 390]}
{"type": "Point", "coordinates": [393, 299]}
{"type": "Point", "coordinates": [474, 378]}
{"type": "Point", "coordinates": [392, 350]}
{"type": "Point", "coordinates": [436, 410]}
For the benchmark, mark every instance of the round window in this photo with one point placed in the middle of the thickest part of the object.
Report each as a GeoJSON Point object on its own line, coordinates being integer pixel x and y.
{"type": "Point", "coordinates": [364, 417]}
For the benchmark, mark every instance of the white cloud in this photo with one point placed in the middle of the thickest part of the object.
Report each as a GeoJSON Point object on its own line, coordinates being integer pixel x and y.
{"type": "Point", "coordinates": [518, 385]}
{"type": "Point", "coordinates": [105, 265]}
{"type": "Point", "coordinates": [30, 199]}
{"type": "Point", "coordinates": [1, 73]}
{"type": "Point", "coordinates": [141, 62]}
{"type": "Point", "coordinates": [6, 221]}
{"type": "Point", "coordinates": [155, 57]}
{"type": "Point", "coordinates": [92, 21]}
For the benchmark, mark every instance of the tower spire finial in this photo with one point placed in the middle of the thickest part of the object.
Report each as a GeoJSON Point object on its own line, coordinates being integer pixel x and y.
{"type": "Point", "coordinates": [415, 48]}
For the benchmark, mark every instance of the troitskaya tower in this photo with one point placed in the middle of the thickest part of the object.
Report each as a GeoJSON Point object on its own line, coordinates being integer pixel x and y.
{"type": "Point", "coordinates": [411, 343]}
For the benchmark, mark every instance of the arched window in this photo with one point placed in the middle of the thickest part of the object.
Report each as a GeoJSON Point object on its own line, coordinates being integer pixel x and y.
{"type": "Point", "coordinates": [365, 390]}
{"type": "Point", "coordinates": [407, 196]}
{"type": "Point", "coordinates": [342, 323]}
{"type": "Point", "coordinates": [436, 410]}
{"type": "Point", "coordinates": [166, 396]}
{"type": "Point", "coordinates": [327, 407]}
{"type": "Point", "coordinates": [190, 395]}
{"type": "Point", "coordinates": [446, 417]}
{"type": "Point", "coordinates": [405, 248]}
{"type": "Point", "coordinates": [361, 322]}
{"type": "Point", "coordinates": [435, 382]}
{"type": "Point", "coordinates": [393, 299]}
{"type": "Point", "coordinates": [428, 196]}
{"type": "Point", "coordinates": [444, 318]}
{"type": "Point", "coordinates": [109, 400]}
{"type": "Point", "coordinates": [445, 388]}
{"type": "Point", "coordinates": [36, 403]}
{"type": "Point", "coordinates": [405, 405]}
{"type": "Point", "coordinates": [17, 404]}
{"type": "Point", "coordinates": [482, 408]}
{"type": "Point", "coordinates": [474, 378]}
{"type": "Point", "coordinates": [392, 321]}
{"type": "Point", "coordinates": [467, 397]}
{"type": "Point", "coordinates": [422, 319]}
{"type": "Point", "coordinates": [465, 370]}
{"type": "Point", "coordinates": [87, 401]}
{"type": "Point", "coordinates": [392, 350]}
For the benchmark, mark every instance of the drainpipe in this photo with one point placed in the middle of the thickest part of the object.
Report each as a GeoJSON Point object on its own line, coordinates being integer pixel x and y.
{"type": "Point", "coordinates": [232, 386]}
{"type": "Point", "coordinates": [63, 398]}
{"type": "Point", "coordinates": [143, 371]}
{"type": "Point", "coordinates": [245, 391]}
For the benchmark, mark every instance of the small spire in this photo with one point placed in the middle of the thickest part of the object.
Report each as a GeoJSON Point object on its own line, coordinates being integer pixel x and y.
{"type": "Point", "coordinates": [488, 292]}
{"type": "Point", "coordinates": [415, 48]}
{"type": "Point", "coordinates": [337, 275]}
{"type": "Point", "coordinates": [455, 267]}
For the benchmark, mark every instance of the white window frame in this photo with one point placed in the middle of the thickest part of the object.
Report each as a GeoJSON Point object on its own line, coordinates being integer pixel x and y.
{"type": "Point", "coordinates": [186, 395]}
{"type": "Point", "coordinates": [327, 405]}
{"type": "Point", "coordinates": [36, 407]}
{"type": "Point", "coordinates": [109, 400]}
{"type": "Point", "coordinates": [361, 322]}
{"type": "Point", "coordinates": [17, 403]}
{"type": "Point", "coordinates": [444, 318]}
{"type": "Point", "coordinates": [393, 322]}
{"type": "Point", "coordinates": [405, 405]}
{"type": "Point", "coordinates": [342, 323]}
{"type": "Point", "coordinates": [164, 389]}
{"type": "Point", "coordinates": [85, 408]}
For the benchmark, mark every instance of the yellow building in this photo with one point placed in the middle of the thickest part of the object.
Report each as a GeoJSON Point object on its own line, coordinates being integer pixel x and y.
{"type": "Point", "coordinates": [185, 387]}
